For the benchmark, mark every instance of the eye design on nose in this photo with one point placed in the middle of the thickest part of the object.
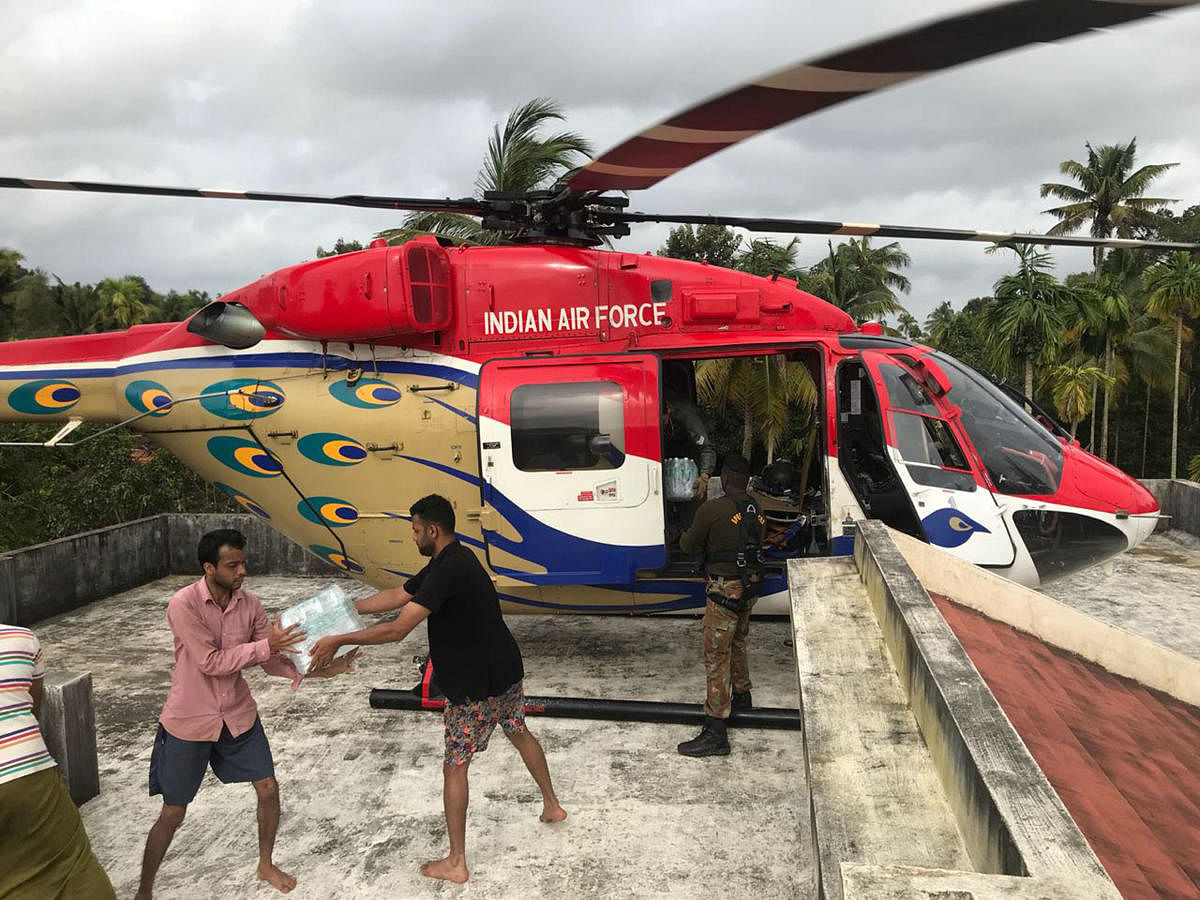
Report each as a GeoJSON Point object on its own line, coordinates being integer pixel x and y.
{"type": "Point", "coordinates": [951, 527]}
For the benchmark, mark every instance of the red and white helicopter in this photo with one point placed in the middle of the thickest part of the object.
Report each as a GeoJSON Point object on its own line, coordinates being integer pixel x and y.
{"type": "Point", "coordinates": [526, 382]}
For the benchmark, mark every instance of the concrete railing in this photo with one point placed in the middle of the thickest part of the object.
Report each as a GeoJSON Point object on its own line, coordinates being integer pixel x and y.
{"type": "Point", "coordinates": [49, 579]}
{"type": "Point", "coordinates": [1178, 499]}
{"type": "Point", "coordinates": [1010, 818]}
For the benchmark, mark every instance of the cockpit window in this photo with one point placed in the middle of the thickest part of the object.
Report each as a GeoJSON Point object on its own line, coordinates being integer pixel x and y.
{"type": "Point", "coordinates": [1020, 455]}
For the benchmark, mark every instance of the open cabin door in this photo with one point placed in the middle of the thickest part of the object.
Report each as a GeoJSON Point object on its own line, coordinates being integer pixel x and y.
{"type": "Point", "coordinates": [571, 478]}
{"type": "Point", "coordinates": [926, 449]}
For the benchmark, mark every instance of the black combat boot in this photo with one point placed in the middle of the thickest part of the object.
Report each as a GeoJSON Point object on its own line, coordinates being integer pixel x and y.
{"type": "Point", "coordinates": [741, 700]}
{"type": "Point", "coordinates": [711, 741]}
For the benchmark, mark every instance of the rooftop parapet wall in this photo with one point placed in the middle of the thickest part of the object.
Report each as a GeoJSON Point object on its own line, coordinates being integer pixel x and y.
{"type": "Point", "coordinates": [1178, 499]}
{"type": "Point", "coordinates": [53, 578]}
{"type": "Point", "coordinates": [1011, 819]}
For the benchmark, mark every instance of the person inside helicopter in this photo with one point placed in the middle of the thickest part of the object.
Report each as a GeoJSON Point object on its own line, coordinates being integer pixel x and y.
{"type": "Point", "coordinates": [686, 444]}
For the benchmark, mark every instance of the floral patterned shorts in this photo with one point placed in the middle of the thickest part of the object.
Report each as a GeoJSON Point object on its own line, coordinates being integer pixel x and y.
{"type": "Point", "coordinates": [469, 725]}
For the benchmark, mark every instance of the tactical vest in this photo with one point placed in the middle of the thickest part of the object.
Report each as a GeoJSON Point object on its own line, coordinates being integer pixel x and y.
{"type": "Point", "coordinates": [748, 557]}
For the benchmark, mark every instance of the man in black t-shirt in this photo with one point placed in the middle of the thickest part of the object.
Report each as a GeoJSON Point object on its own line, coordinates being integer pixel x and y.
{"type": "Point", "coordinates": [478, 666]}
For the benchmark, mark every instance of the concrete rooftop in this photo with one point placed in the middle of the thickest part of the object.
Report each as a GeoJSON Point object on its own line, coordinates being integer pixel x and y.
{"type": "Point", "coordinates": [1154, 591]}
{"type": "Point", "coordinates": [361, 788]}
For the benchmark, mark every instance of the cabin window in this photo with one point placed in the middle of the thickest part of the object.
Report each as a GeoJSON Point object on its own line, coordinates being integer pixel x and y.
{"type": "Point", "coordinates": [567, 427]}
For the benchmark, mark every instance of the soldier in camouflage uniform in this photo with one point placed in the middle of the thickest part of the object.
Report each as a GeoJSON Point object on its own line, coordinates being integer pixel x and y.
{"type": "Point", "coordinates": [718, 532]}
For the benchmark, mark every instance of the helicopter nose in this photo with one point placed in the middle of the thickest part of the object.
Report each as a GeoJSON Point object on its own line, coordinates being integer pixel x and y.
{"type": "Point", "coordinates": [1104, 486]}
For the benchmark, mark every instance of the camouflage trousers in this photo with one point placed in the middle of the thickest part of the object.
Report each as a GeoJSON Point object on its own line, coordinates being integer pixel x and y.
{"type": "Point", "coordinates": [725, 666]}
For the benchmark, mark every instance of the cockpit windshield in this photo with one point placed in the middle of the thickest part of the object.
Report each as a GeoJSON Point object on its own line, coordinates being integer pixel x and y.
{"type": "Point", "coordinates": [1020, 455]}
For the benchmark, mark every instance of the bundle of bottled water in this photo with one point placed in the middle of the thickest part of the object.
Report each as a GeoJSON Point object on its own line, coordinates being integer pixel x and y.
{"type": "Point", "coordinates": [679, 478]}
{"type": "Point", "coordinates": [329, 612]}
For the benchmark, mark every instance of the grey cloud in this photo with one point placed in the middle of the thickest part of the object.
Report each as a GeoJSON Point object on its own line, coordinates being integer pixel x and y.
{"type": "Point", "coordinates": [384, 97]}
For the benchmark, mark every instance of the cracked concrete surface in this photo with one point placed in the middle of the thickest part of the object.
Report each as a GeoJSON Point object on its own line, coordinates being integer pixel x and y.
{"type": "Point", "coordinates": [1153, 590]}
{"type": "Point", "coordinates": [361, 788]}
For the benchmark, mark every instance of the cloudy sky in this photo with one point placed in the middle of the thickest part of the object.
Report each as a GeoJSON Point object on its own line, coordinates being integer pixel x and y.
{"type": "Point", "coordinates": [399, 98]}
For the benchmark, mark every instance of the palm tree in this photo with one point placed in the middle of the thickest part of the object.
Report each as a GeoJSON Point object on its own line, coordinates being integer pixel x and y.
{"type": "Point", "coordinates": [1172, 292]}
{"type": "Point", "coordinates": [1108, 194]}
{"type": "Point", "coordinates": [1026, 320]}
{"type": "Point", "coordinates": [123, 303]}
{"type": "Point", "coordinates": [1072, 385]}
{"type": "Point", "coordinates": [518, 159]}
{"type": "Point", "coordinates": [860, 279]}
{"type": "Point", "coordinates": [767, 392]}
{"type": "Point", "coordinates": [939, 323]}
{"type": "Point", "coordinates": [908, 326]}
{"type": "Point", "coordinates": [766, 258]}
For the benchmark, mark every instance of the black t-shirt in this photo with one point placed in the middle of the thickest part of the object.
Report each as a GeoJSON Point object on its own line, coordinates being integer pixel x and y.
{"type": "Point", "coordinates": [474, 654]}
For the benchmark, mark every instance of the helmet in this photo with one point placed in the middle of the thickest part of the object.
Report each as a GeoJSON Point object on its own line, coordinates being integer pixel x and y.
{"type": "Point", "coordinates": [776, 492]}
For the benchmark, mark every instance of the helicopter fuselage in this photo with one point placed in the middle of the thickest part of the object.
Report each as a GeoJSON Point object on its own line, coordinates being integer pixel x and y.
{"type": "Point", "coordinates": [526, 384]}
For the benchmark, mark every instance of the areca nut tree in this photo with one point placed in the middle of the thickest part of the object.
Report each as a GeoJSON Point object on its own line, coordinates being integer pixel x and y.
{"type": "Point", "coordinates": [1173, 293]}
{"type": "Point", "coordinates": [1026, 319]}
{"type": "Point", "coordinates": [1072, 385]}
{"type": "Point", "coordinates": [1108, 193]}
{"type": "Point", "coordinates": [519, 158]}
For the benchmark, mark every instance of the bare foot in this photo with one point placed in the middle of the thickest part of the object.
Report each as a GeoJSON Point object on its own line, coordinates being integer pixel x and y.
{"type": "Point", "coordinates": [553, 813]}
{"type": "Point", "coordinates": [272, 874]}
{"type": "Point", "coordinates": [445, 869]}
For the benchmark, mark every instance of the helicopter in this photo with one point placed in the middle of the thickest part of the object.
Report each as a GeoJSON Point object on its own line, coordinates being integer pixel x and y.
{"type": "Point", "coordinates": [528, 382]}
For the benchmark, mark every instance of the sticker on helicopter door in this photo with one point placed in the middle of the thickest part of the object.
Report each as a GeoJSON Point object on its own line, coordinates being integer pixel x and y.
{"type": "Point", "coordinates": [607, 492]}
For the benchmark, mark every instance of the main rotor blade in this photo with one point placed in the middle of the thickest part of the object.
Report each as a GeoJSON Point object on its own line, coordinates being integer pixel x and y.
{"type": "Point", "coordinates": [725, 120]}
{"type": "Point", "coordinates": [468, 206]}
{"type": "Point", "coordinates": [814, 226]}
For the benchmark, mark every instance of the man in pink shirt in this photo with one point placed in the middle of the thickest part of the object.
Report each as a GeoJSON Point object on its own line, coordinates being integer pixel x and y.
{"type": "Point", "coordinates": [209, 717]}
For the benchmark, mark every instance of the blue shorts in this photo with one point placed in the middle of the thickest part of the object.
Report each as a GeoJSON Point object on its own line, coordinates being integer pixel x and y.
{"type": "Point", "coordinates": [177, 767]}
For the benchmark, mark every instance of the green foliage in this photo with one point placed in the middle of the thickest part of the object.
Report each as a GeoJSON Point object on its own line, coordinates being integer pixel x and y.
{"type": "Point", "coordinates": [340, 246]}
{"type": "Point", "coordinates": [721, 246]}
{"type": "Point", "coordinates": [1026, 320]}
{"type": "Point", "coordinates": [1072, 385]}
{"type": "Point", "coordinates": [48, 493]}
{"type": "Point", "coordinates": [767, 393]}
{"type": "Point", "coordinates": [767, 259]}
{"type": "Point", "coordinates": [1194, 468]}
{"type": "Point", "coordinates": [860, 279]}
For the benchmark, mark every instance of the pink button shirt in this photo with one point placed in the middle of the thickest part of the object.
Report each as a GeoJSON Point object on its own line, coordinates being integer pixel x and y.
{"type": "Point", "coordinates": [212, 646]}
